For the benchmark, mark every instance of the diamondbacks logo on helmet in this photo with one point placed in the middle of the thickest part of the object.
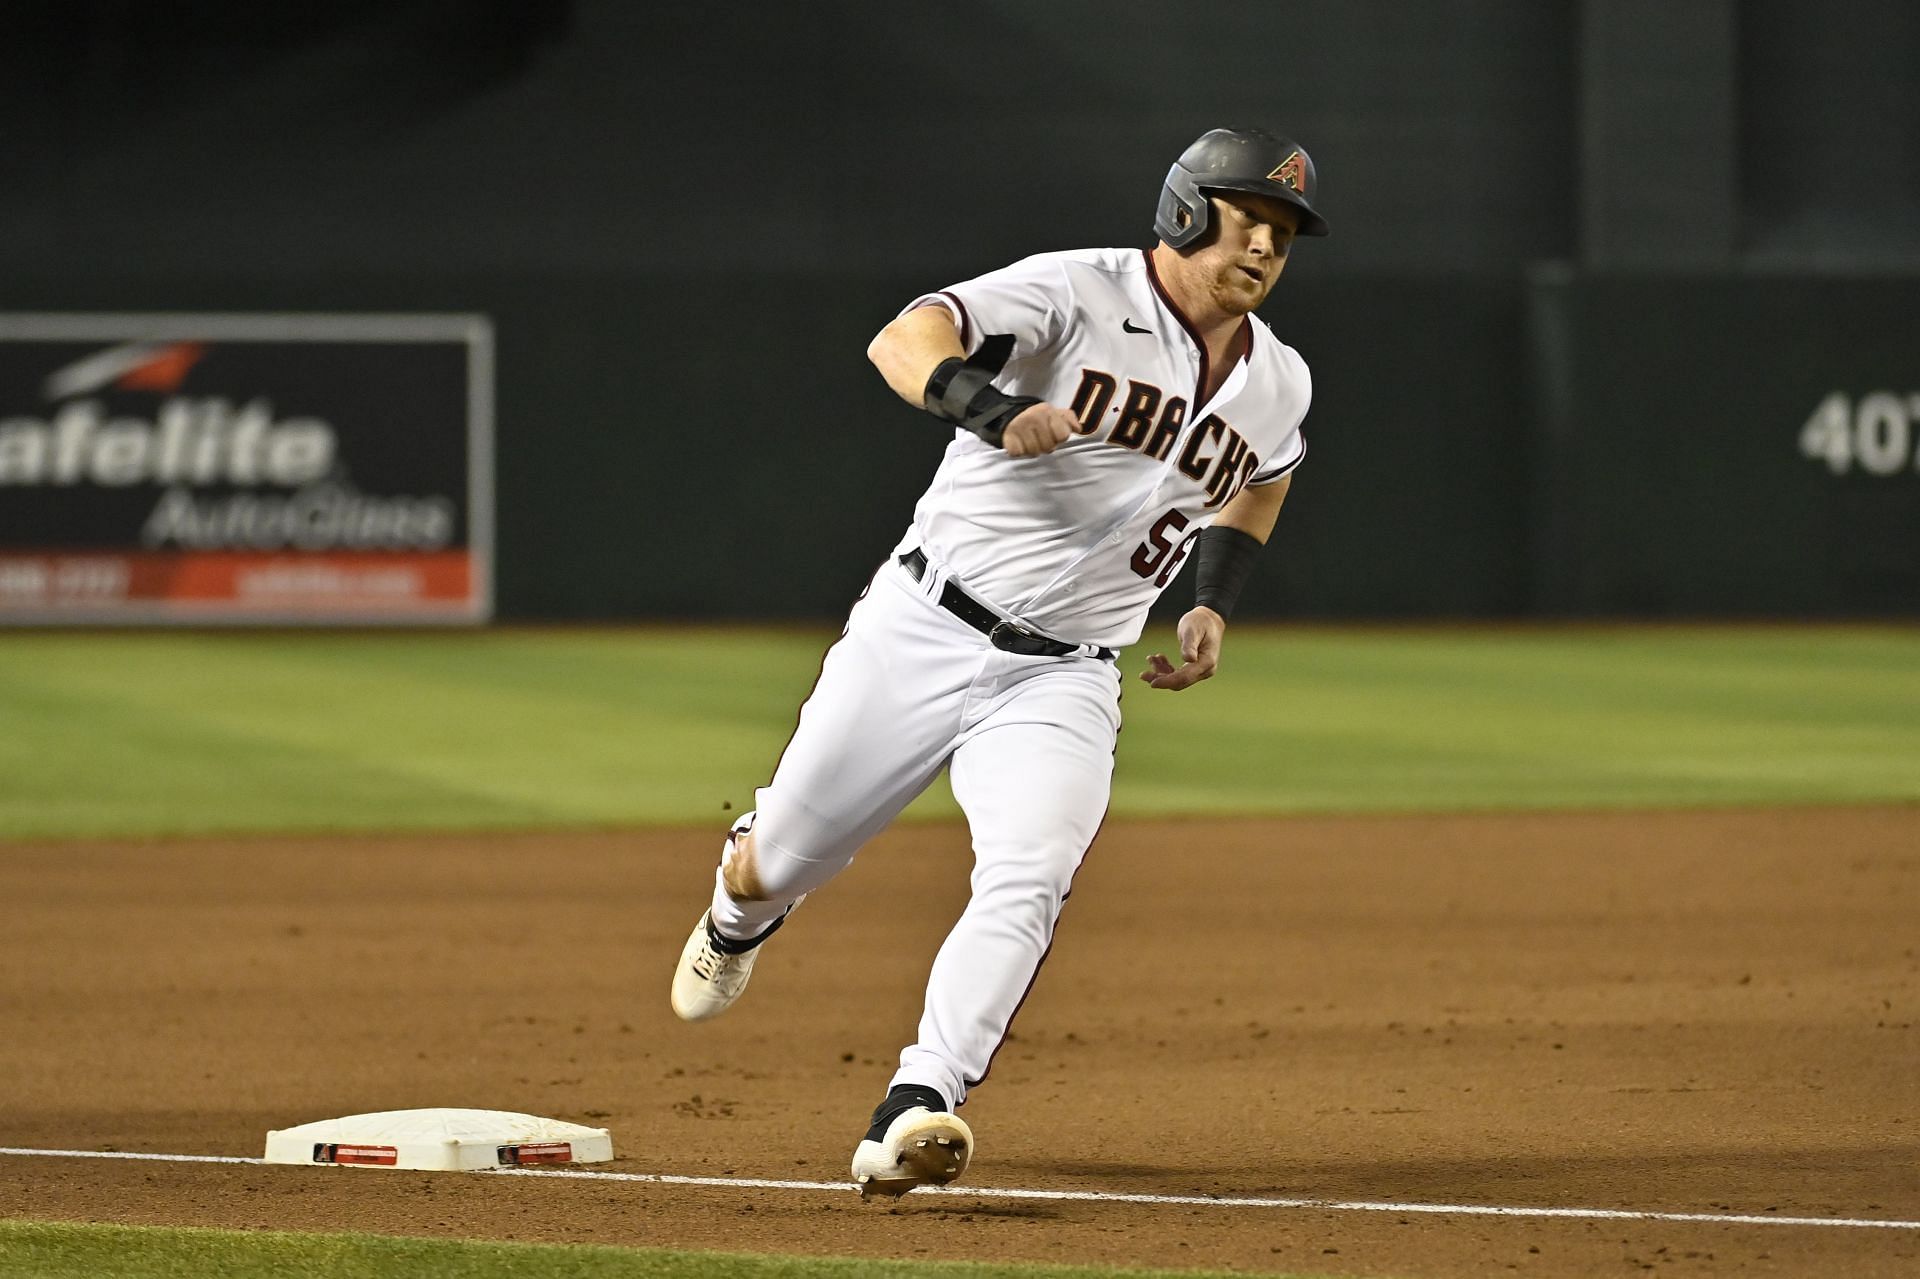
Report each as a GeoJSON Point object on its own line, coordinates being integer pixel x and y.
{"type": "Point", "coordinates": [1290, 173]}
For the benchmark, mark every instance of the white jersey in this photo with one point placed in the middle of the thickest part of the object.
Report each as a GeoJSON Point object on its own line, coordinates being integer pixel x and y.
{"type": "Point", "coordinates": [1078, 543]}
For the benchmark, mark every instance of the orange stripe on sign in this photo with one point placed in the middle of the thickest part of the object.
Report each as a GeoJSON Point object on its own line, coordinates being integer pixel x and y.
{"type": "Point", "coordinates": [276, 581]}
{"type": "Point", "coordinates": [365, 580]}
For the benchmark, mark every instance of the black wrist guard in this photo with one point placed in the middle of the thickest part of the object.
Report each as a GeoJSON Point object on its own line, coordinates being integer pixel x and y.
{"type": "Point", "coordinates": [1222, 558]}
{"type": "Point", "coordinates": [962, 391]}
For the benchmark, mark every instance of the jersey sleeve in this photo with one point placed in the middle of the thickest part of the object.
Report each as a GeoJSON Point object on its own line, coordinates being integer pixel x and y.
{"type": "Point", "coordinates": [1293, 446]}
{"type": "Point", "coordinates": [1030, 300]}
{"type": "Point", "coordinates": [1291, 452]}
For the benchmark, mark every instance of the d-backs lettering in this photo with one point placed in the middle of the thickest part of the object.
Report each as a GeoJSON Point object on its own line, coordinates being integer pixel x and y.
{"type": "Point", "coordinates": [1149, 422]}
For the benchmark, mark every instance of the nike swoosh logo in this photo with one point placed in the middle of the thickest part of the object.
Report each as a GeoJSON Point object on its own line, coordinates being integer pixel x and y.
{"type": "Point", "coordinates": [1126, 326]}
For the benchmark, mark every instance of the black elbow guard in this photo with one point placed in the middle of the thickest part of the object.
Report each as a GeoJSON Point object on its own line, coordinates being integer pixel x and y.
{"type": "Point", "coordinates": [962, 391]}
{"type": "Point", "coordinates": [1222, 559]}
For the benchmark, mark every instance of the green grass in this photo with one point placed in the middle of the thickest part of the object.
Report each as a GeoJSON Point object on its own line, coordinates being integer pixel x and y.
{"type": "Point", "coordinates": [59, 1251]}
{"type": "Point", "coordinates": [155, 733]}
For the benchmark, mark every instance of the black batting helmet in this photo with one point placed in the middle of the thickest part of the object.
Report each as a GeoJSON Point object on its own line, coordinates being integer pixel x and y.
{"type": "Point", "coordinates": [1249, 160]}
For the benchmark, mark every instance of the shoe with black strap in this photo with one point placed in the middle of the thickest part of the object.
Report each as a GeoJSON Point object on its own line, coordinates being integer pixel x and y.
{"type": "Point", "coordinates": [914, 1140]}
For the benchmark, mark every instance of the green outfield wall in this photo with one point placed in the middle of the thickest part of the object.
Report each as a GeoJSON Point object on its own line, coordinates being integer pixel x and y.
{"type": "Point", "coordinates": [1725, 447]}
{"type": "Point", "coordinates": [1570, 446]}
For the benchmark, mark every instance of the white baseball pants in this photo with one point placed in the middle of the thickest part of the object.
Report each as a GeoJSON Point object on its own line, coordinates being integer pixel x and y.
{"type": "Point", "coordinates": [907, 690]}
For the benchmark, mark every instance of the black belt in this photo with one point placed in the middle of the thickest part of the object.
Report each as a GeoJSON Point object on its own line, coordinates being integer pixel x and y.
{"type": "Point", "coordinates": [1002, 634]}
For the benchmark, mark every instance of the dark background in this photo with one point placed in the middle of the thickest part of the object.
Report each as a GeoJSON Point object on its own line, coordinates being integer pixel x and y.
{"type": "Point", "coordinates": [1592, 265]}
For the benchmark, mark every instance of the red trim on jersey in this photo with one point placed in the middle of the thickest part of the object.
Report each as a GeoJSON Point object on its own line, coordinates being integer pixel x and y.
{"type": "Point", "coordinates": [1153, 277]}
{"type": "Point", "coordinates": [966, 321]}
{"type": "Point", "coordinates": [1244, 333]}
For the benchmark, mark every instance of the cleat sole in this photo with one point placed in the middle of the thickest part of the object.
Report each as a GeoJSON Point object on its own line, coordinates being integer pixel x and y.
{"type": "Point", "coordinates": [930, 1151]}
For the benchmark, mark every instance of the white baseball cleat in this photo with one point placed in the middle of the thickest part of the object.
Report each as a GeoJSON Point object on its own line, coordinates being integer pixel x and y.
{"type": "Point", "coordinates": [922, 1148]}
{"type": "Point", "coordinates": [708, 979]}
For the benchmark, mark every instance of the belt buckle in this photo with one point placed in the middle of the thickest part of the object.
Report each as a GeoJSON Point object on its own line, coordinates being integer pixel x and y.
{"type": "Point", "coordinates": [1015, 635]}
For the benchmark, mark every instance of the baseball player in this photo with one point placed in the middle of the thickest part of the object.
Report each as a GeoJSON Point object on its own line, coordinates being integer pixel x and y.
{"type": "Point", "coordinates": [1115, 413]}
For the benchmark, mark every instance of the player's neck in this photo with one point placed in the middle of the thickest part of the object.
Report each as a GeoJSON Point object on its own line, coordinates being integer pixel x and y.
{"type": "Point", "coordinates": [1187, 291]}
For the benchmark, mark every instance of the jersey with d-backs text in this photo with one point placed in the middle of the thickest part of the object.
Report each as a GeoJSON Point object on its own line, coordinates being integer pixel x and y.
{"type": "Point", "coordinates": [1078, 543]}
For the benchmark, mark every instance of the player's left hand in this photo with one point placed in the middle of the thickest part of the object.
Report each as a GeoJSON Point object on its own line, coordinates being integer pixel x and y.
{"type": "Point", "coordinates": [1201, 631]}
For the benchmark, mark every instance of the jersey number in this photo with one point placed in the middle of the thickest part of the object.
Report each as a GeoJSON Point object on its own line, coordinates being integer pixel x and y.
{"type": "Point", "coordinates": [1164, 549]}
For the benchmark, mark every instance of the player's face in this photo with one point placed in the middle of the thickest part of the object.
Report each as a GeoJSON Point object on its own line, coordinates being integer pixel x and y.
{"type": "Point", "coordinates": [1248, 249]}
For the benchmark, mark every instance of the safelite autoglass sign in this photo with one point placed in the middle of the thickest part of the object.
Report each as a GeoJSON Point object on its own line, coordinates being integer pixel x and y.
{"type": "Point", "coordinates": [245, 468]}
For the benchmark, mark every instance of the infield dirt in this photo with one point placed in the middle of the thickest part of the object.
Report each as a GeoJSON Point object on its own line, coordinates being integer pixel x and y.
{"type": "Point", "coordinates": [1690, 1012]}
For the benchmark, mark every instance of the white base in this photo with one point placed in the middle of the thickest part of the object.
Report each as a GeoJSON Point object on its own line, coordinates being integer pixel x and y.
{"type": "Point", "coordinates": [440, 1140]}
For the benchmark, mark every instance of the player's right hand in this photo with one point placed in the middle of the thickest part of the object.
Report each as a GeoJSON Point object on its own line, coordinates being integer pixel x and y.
{"type": "Point", "coordinates": [1040, 428]}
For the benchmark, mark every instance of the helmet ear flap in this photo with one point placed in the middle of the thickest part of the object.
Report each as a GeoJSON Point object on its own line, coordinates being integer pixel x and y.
{"type": "Point", "coordinates": [1181, 217]}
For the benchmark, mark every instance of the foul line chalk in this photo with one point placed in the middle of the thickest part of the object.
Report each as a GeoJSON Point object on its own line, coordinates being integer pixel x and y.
{"type": "Point", "coordinates": [128, 1154]}
{"type": "Point", "coordinates": [1089, 1196]}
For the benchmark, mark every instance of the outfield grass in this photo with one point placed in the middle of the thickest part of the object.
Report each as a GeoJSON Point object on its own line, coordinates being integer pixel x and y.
{"type": "Point", "coordinates": [62, 1251]}
{"type": "Point", "coordinates": [145, 733]}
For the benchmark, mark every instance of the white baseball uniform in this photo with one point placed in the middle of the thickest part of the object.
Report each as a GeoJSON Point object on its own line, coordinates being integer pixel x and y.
{"type": "Point", "coordinates": [1075, 545]}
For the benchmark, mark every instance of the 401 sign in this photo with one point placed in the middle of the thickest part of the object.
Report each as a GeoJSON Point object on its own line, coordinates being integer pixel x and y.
{"type": "Point", "coordinates": [1875, 433]}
